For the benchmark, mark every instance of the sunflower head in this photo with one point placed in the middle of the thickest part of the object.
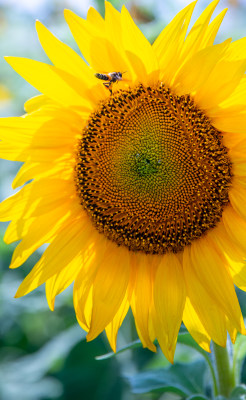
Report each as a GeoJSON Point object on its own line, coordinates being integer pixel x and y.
{"type": "Point", "coordinates": [136, 171]}
{"type": "Point", "coordinates": [163, 181]}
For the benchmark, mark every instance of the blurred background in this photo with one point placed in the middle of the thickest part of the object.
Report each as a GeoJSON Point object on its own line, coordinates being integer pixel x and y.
{"type": "Point", "coordinates": [44, 355]}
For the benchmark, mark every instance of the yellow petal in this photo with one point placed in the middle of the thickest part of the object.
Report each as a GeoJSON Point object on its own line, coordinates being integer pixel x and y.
{"type": "Point", "coordinates": [113, 327]}
{"type": "Point", "coordinates": [231, 330]}
{"type": "Point", "coordinates": [135, 42]}
{"type": "Point", "coordinates": [167, 349]}
{"type": "Point", "coordinates": [142, 298]}
{"type": "Point", "coordinates": [38, 170]}
{"type": "Point", "coordinates": [195, 37]}
{"type": "Point", "coordinates": [237, 97]}
{"type": "Point", "coordinates": [83, 286]}
{"type": "Point", "coordinates": [169, 43]}
{"type": "Point", "coordinates": [62, 279]}
{"type": "Point", "coordinates": [237, 50]}
{"type": "Point", "coordinates": [113, 23]}
{"type": "Point", "coordinates": [212, 30]}
{"type": "Point", "coordinates": [233, 254]}
{"type": "Point", "coordinates": [230, 123]}
{"type": "Point", "coordinates": [13, 153]}
{"type": "Point", "coordinates": [169, 296]}
{"type": "Point", "coordinates": [195, 326]}
{"type": "Point", "coordinates": [206, 308]}
{"type": "Point", "coordinates": [221, 83]}
{"type": "Point", "coordinates": [83, 31]}
{"type": "Point", "coordinates": [19, 130]}
{"type": "Point", "coordinates": [27, 202]}
{"type": "Point", "coordinates": [105, 57]}
{"type": "Point", "coordinates": [214, 275]}
{"type": "Point", "coordinates": [64, 248]}
{"type": "Point", "coordinates": [237, 196]}
{"type": "Point", "coordinates": [63, 57]}
{"type": "Point", "coordinates": [235, 227]}
{"type": "Point", "coordinates": [198, 68]}
{"type": "Point", "coordinates": [113, 31]}
{"type": "Point", "coordinates": [95, 18]}
{"type": "Point", "coordinates": [36, 102]}
{"type": "Point", "coordinates": [85, 321]}
{"type": "Point", "coordinates": [53, 82]}
{"type": "Point", "coordinates": [39, 232]}
{"type": "Point", "coordinates": [109, 289]}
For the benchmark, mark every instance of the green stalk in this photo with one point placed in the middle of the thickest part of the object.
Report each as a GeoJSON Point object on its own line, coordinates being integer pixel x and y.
{"type": "Point", "coordinates": [224, 369]}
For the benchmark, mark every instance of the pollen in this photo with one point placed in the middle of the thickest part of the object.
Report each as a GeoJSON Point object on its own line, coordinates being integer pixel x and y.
{"type": "Point", "coordinates": [152, 172]}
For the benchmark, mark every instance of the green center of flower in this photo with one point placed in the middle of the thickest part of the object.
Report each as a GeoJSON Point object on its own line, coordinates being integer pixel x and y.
{"type": "Point", "coordinates": [146, 165]}
{"type": "Point", "coordinates": [152, 172]}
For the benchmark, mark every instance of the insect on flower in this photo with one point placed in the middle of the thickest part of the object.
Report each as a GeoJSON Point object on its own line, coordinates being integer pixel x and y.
{"type": "Point", "coordinates": [110, 77]}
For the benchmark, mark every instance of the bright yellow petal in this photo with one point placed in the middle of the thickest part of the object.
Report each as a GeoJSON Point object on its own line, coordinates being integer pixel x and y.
{"type": "Point", "coordinates": [212, 30]}
{"type": "Point", "coordinates": [231, 330]}
{"type": "Point", "coordinates": [214, 276]}
{"type": "Point", "coordinates": [224, 78]}
{"type": "Point", "coordinates": [235, 227]}
{"type": "Point", "coordinates": [95, 18]}
{"type": "Point", "coordinates": [53, 82]}
{"type": "Point", "coordinates": [38, 170]}
{"type": "Point", "coordinates": [237, 97]}
{"type": "Point", "coordinates": [206, 308]}
{"type": "Point", "coordinates": [195, 326]}
{"type": "Point", "coordinates": [105, 57]}
{"type": "Point", "coordinates": [234, 123]}
{"type": "Point", "coordinates": [63, 57]}
{"type": "Point", "coordinates": [54, 192]}
{"type": "Point", "coordinates": [36, 102]}
{"type": "Point", "coordinates": [233, 254]}
{"type": "Point", "coordinates": [237, 196]}
{"type": "Point", "coordinates": [169, 43]}
{"type": "Point", "coordinates": [109, 289]}
{"type": "Point", "coordinates": [83, 286]}
{"type": "Point", "coordinates": [39, 232]}
{"type": "Point", "coordinates": [198, 68]}
{"type": "Point", "coordinates": [64, 248]}
{"type": "Point", "coordinates": [83, 31]}
{"type": "Point", "coordinates": [142, 298]}
{"type": "Point", "coordinates": [198, 32]}
{"type": "Point", "coordinates": [60, 281]}
{"type": "Point", "coordinates": [167, 349]}
{"type": "Point", "coordinates": [135, 43]}
{"type": "Point", "coordinates": [113, 327]}
{"type": "Point", "coordinates": [169, 296]}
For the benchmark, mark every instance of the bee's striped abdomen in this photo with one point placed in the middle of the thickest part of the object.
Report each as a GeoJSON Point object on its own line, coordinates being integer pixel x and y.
{"type": "Point", "coordinates": [103, 77]}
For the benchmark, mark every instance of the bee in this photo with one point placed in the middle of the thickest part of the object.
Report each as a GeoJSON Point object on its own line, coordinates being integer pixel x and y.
{"type": "Point", "coordinates": [111, 78]}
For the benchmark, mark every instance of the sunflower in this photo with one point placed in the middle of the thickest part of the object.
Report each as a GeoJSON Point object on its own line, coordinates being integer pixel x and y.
{"type": "Point", "coordinates": [137, 180]}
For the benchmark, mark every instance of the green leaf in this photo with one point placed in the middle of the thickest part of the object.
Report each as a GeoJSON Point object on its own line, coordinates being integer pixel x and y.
{"type": "Point", "coordinates": [239, 354]}
{"type": "Point", "coordinates": [240, 347]}
{"type": "Point", "coordinates": [186, 339]}
{"type": "Point", "coordinates": [238, 393]}
{"type": "Point", "coordinates": [197, 397]}
{"type": "Point", "coordinates": [133, 345]}
{"type": "Point", "coordinates": [182, 379]}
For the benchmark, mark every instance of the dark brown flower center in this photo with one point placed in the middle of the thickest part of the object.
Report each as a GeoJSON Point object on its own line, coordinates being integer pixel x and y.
{"type": "Point", "coordinates": [152, 172]}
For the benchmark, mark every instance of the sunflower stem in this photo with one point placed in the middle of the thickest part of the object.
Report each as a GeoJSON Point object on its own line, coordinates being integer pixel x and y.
{"type": "Point", "coordinates": [222, 360]}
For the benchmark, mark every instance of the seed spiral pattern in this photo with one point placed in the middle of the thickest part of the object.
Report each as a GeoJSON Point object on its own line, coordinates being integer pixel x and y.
{"type": "Point", "coordinates": [152, 172]}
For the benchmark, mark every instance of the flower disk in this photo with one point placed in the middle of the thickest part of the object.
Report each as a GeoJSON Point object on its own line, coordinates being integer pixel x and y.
{"type": "Point", "coordinates": [152, 171]}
